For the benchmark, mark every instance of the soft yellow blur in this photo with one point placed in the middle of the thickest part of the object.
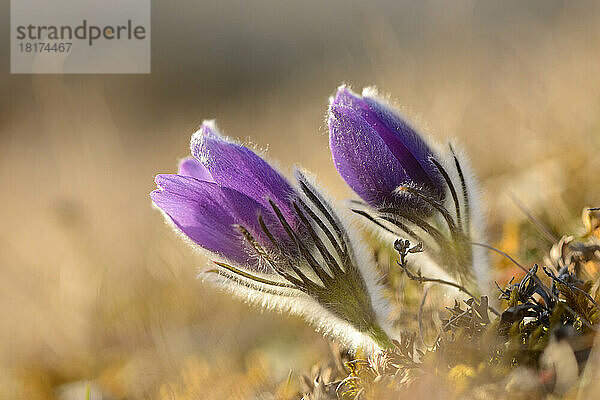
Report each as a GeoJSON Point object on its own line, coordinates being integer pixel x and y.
{"type": "Point", "coordinates": [98, 295]}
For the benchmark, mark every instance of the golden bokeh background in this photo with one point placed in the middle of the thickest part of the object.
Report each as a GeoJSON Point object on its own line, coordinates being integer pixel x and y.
{"type": "Point", "coordinates": [97, 294]}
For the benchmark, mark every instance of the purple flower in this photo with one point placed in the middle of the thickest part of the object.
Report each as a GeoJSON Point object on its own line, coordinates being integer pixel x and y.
{"type": "Point", "coordinates": [230, 187]}
{"type": "Point", "coordinates": [405, 183]}
{"type": "Point", "coordinates": [376, 151]}
{"type": "Point", "coordinates": [282, 246]}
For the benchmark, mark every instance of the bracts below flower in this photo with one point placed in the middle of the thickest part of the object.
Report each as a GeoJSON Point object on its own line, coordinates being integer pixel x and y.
{"type": "Point", "coordinates": [281, 246]}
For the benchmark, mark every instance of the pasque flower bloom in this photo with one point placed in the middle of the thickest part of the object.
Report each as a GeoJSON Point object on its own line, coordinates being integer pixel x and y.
{"type": "Point", "coordinates": [409, 186]}
{"type": "Point", "coordinates": [375, 151]}
{"type": "Point", "coordinates": [277, 244]}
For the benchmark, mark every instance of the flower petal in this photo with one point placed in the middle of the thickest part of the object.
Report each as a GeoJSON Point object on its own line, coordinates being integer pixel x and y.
{"type": "Point", "coordinates": [197, 209]}
{"type": "Point", "coordinates": [234, 166]}
{"type": "Point", "coordinates": [406, 145]}
{"type": "Point", "coordinates": [376, 151]}
{"type": "Point", "coordinates": [192, 167]}
{"type": "Point", "coordinates": [362, 157]}
{"type": "Point", "coordinates": [208, 215]}
{"type": "Point", "coordinates": [246, 212]}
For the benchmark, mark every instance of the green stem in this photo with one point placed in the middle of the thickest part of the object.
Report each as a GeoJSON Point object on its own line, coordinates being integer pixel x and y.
{"type": "Point", "coordinates": [380, 337]}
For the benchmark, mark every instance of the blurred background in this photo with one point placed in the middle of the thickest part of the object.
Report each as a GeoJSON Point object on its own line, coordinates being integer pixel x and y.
{"type": "Point", "coordinates": [98, 294]}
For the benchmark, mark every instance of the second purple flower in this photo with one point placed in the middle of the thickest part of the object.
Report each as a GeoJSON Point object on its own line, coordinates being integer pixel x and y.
{"type": "Point", "coordinates": [376, 151]}
{"type": "Point", "coordinates": [409, 188]}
